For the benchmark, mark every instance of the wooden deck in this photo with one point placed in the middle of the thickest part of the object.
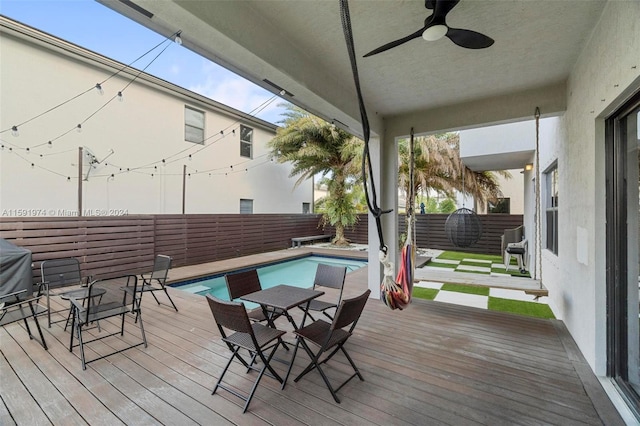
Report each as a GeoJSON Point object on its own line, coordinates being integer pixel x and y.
{"type": "Point", "coordinates": [431, 364]}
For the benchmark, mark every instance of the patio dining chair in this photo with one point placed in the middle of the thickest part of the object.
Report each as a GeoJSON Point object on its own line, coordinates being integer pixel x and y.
{"type": "Point", "coordinates": [330, 277]}
{"type": "Point", "coordinates": [238, 333]}
{"type": "Point", "coordinates": [156, 280]}
{"type": "Point", "coordinates": [243, 283]}
{"type": "Point", "coordinates": [57, 276]}
{"type": "Point", "coordinates": [107, 298]}
{"type": "Point", "coordinates": [330, 337]}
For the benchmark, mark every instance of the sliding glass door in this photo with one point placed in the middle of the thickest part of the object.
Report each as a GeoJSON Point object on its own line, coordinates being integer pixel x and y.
{"type": "Point", "coordinates": [623, 250]}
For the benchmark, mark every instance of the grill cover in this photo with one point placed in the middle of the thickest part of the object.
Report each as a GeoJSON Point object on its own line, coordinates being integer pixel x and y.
{"type": "Point", "coordinates": [15, 269]}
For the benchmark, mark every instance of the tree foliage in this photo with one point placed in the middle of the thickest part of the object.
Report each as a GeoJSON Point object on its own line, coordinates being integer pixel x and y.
{"type": "Point", "coordinates": [437, 167]}
{"type": "Point", "coordinates": [315, 147]}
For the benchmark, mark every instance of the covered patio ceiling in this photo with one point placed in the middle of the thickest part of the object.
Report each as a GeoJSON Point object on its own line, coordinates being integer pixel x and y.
{"type": "Point", "coordinates": [432, 86]}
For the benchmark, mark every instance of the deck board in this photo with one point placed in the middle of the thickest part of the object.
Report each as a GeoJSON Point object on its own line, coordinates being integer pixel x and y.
{"type": "Point", "coordinates": [433, 363]}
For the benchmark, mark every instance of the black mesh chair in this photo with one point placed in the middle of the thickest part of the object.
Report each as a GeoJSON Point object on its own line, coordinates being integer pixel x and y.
{"type": "Point", "coordinates": [238, 333]}
{"type": "Point", "coordinates": [106, 299]}
{"type": "Point", "coordinates": [156, 280]}
{"type": "Point", "coordinates": [331, 277]}
{"type": "Point", "coordinates": [57, 276]}
{"type": "Point", "coordinates": [330, 337]}
{"type": "Point", "coordinates": [242, 283]}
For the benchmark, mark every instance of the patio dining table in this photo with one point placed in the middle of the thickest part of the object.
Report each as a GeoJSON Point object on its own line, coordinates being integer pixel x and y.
{"type": "Point", "coordinates": [282, 298]}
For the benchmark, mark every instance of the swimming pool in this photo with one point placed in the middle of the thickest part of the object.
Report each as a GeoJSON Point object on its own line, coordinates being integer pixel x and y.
{"type": "Point", "coordinates": [298, 272]}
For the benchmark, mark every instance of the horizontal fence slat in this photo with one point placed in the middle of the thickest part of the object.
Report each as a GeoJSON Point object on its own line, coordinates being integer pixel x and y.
{"type": "Point", "coordinates": [115, 245]}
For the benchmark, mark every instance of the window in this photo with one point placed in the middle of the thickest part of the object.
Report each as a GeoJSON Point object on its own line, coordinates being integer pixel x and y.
{"type": "Point", "coordinates": [551, 208]}
{"type": "Point", "coordinates": [246, 206]}
{"type": "Point", "coordinates": [193, 125]}
{"type": "Point", "coordinates": [246, 141]}
{"type": "Point", "coordinates": [503, 205]}
{"type": "Point", "coordinates": [306, 208]}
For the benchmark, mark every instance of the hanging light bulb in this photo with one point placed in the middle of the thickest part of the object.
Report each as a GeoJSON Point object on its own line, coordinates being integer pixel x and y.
{"type": "Point", "coordinates": [50, 144]}
{"type": "Point", "coordinates": [99, 88]}
{"type": "Point", "coordinates": [79, 128]}
{"type": "Point", "coordinates": [68, 179]}
{"type": "Point", "coordinates": [189, 157]}
{"type": "Point", "coordinates": [283, 92]}
{"type": "Point", "coordinates": [14, 131]}
{"type": "Point", "coordinates": [28, 150]}
{"type": "Point", "coordinates": [33, 166]}
{"type": "Point", "coordinates": [178, 39]}
{"type": "Point", "coordinates": [233, 131]}
{"type": "Point", "coordinates": [222, 132]}
{"type": "Point", "coordinates": [120, 97]}
{"type": "Point", "coordinates": [151, 175]}
{"type": "Point", "coordinates": [2, 147]}
{"type": "Point", "coordinates": [164, 163]}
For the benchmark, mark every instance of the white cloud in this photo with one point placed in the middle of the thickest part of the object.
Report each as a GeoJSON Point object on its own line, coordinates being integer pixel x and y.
{"type": "Point", "coordinates": [174, 69]}
{"type": "Point", "coordinates": [225, 87]}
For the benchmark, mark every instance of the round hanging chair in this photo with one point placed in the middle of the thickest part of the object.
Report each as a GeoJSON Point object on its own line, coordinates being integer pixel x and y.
{"type": "Point", "coordinates": [463, 227]}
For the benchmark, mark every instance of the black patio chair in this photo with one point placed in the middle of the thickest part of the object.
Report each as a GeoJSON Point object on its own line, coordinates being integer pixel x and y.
{"type": "Point", "coordinates": [331, 277]}
{"type": "Point", "coordinates": [238, 332]}
{"type": "Point", "coordinates": [107, 298]}
{"type": "Point", "coordinates": [245, 282]}
{"type": "Point", "coordinates": [156, 280]}
{"type": "Point", "coordinates": [58, 274]}
{"type": "Point", "coordinates": [330, 337]}
{"type": "Point", "coordinates": [18, 306]}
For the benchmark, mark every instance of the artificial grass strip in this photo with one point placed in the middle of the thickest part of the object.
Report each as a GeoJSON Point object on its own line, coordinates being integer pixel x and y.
{"type": "Point", "coordinates": [425, 293]}
{"type": "Point", "coordinates": [531, 309]}
{"type": "Point", "coordinates": [459, 255]}
{"type": "Point", "coordinates": [441, 265]}
{"type": "Point", "coordinates": [469, 289]}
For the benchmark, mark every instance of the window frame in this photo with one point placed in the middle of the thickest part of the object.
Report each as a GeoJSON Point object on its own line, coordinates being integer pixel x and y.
{"type": "Point", "coordinates": [193, 126]}
{"type": "Point", "coordinates": [551, 177]}
{"type": "Point", "coordinates": [245, 200]}
{"type": "Point", "coordinates": [246, 143]}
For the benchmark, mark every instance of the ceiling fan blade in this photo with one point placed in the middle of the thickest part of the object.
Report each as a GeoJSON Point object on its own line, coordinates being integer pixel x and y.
{"type": "Point", "coordinates": [395, 43]}
{"type": "Point", "coordinates": [441, 8]}
{"type": "Point", "coordinates": [469, 39]}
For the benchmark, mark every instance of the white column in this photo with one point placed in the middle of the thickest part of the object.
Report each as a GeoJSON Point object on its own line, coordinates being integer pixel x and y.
{"type": "Point", "coordinates": [384, 161]}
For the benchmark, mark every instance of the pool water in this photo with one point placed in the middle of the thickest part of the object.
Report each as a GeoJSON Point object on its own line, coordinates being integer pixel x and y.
{"type": "Point", "coordinates": [297, 272]}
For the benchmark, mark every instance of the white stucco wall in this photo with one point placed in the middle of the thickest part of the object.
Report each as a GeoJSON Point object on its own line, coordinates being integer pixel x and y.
{"type": "Point", "coordinates": [606, 73]}
{"type": "Point", "coordinates": [147, 127]}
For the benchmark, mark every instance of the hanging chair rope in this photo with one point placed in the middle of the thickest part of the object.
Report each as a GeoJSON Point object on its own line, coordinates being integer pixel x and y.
{"type": "Point", "coordinates": [394, 295]}
{"type": "Point", "coordinates": [538, 270]}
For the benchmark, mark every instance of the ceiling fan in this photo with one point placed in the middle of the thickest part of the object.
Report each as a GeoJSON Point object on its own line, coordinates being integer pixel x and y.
{"type": "Point", "coordinates": [435, 27]}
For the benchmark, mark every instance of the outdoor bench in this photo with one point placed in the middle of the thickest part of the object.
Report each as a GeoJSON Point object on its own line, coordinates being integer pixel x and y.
{"type": "Point", "coordinates": [297, 241]}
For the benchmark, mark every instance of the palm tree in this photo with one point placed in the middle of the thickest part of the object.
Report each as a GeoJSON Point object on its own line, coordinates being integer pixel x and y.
{"type": "Point", "coordinates": [437, 167]}
{"type": "Point", "coordinates": [314, 147]}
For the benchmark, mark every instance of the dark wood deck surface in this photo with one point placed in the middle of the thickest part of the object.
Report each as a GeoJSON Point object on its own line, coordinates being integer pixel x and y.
{"type": "Point", "coordinates": [431, 364]}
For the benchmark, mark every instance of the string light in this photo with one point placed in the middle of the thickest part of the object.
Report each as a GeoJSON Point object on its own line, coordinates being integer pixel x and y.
{"type": "Point", "coordinates": [79, 128]}
{"type": "Point", "coordinates": [33, 166]}
{"type": "Point", "coordinates": [50, 144]}
{"type": "Point", "coordinates": [120, 96]}
{"type": "Point", "coordinates": [14, 131]}
{"type": "Point", "coordinates": [99, 89]}
{"type": "Point", "coordinates": [178, 39]}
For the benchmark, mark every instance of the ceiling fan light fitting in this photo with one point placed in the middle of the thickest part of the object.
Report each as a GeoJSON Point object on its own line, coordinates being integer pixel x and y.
{"type": "Point", "coordinates": [435, 32]}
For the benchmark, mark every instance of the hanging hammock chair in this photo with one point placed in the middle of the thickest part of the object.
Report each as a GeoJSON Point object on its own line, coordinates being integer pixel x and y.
{"type": "Point", "coordinates": [463, 226]}
{"type": "Point", "coordinates": [396, 294]}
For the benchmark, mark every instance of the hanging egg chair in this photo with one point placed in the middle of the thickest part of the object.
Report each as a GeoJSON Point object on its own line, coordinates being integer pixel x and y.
{"type": "Point", "coordinates": [463, 227]}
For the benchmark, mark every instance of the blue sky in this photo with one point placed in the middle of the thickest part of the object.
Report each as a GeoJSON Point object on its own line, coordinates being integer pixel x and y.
{"type": "Point", "coordinates": [98, 28]}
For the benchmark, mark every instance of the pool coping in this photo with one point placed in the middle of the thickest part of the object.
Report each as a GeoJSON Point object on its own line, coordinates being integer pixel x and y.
{"type": "Point", "coordinates": [192, 272]}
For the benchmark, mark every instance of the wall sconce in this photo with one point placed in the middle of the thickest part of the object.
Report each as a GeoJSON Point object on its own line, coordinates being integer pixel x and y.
{"type": "Point", "coordinates": [528, 166]}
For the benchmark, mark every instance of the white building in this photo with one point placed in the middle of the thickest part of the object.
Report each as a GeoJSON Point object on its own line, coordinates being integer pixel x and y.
{"type": "Point", "coordinates": [139, 155]}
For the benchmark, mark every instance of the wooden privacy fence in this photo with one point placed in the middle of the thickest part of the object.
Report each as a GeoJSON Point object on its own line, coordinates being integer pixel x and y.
{"type": "Point", "coordinates": [109, 246]}
{"type": "Point", "coordinates": [430, 232]}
